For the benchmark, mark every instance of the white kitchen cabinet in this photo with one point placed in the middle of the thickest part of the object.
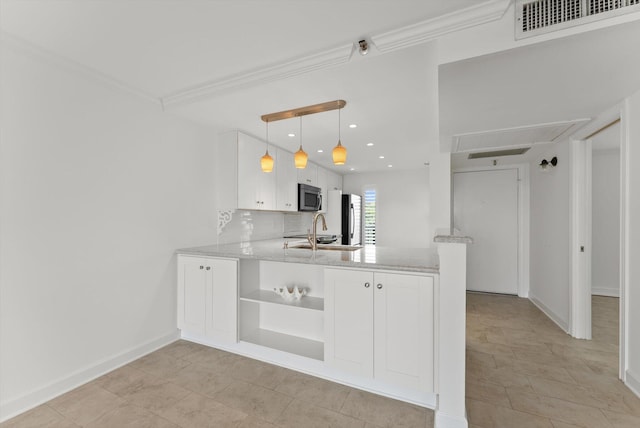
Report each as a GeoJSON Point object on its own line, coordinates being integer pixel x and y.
{"type": "Point", "coordinates": [256, 188]}
{"type": "Point", "coordinates": [380, 325]}
{"type": "Point", "coordinates": [240, 181]}
{"type": "Point", "coordinates": [322, 184]}
{"type": "Point", "coordinates": [308, 175]}
{"type": "Point", "coordinates": [334, 181]}
{"type": "Point", "coordinates": [208, 297]}
{"type": "Point", "coordinates": [348, 320]}
{"type": "Point", "coordinates": [287, 183]}
{"type": "Point", "coordinates": [269, 320]}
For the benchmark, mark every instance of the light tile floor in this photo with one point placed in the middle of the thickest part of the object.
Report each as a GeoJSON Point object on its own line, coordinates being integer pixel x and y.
{"type": "Point", "coordinates": [189, 385]}
{"type": "Point", "coordinates": [522, 372]}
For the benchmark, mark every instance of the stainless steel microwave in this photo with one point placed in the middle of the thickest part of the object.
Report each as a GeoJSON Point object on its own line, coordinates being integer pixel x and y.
{"type": "Point", "coordinates": [309, 198]}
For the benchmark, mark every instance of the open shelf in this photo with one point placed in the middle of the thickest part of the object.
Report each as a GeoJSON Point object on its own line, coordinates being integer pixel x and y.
{"type": "Point", "coordinates": [268, 296]}
{"type": "Point", "coordinates": [287, 343]}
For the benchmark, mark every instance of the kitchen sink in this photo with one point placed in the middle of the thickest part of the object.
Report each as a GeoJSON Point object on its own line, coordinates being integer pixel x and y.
{"type": "Point", "coordinates": [329, 247]}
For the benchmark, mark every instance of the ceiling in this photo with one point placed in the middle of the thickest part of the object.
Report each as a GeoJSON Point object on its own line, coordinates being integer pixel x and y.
{"type": "Point", "coordinates": [224, 63]}
{"type": "Point", "coordinates": [562, 80]}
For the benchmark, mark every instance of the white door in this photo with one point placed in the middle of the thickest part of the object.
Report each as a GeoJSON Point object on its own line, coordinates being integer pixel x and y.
{"type": "Point", "coordinates": [485, 207]}
{"type": "Point", "coordinates": [348, 321]}
{"type": "Point", "coordinates": [193, 282]}
{"type": "Point", "coordinates": [403, 330]}
{"type": "Point", "coordinates": [222, 300]}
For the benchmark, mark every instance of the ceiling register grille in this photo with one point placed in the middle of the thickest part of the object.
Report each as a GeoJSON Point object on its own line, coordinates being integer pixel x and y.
{"type": "Point", "coordinates": [541, 16]}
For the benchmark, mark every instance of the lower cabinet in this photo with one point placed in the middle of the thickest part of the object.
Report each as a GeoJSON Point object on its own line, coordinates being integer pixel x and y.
{"type": "Point", "coordinates": [208, 297]}
{"type": "Point", "coordinates": [380, 325]}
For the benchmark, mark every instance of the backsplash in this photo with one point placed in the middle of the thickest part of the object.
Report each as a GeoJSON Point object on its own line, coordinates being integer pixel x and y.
{"type": "Point", "coordinates": [244, 225]}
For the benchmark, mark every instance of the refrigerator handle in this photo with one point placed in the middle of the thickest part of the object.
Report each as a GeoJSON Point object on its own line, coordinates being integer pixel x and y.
{"type": "Point", "coordinates": [352, 218]}
{"type": "Point", "coordinates": [319, 202]}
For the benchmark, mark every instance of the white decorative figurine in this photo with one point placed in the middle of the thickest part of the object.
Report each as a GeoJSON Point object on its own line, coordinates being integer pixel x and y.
{"type": "Point", "coordinates": [287, 293]}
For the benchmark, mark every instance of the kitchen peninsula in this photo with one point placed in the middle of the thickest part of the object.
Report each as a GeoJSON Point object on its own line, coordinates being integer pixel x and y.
{"type": "Point", "coordinates": [386, 320]}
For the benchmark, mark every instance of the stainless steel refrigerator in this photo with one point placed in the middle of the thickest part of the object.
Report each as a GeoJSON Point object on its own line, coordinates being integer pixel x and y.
{"type": "Point", "coordinates": [351, 219]}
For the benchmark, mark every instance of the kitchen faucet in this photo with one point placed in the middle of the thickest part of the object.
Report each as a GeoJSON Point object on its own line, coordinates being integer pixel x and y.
{"type": "Point", "coordinates": [313, 241]}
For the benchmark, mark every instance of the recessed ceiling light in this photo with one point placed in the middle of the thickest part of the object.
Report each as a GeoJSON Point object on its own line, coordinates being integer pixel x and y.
{"type": "Point", "coordinates": [352, 169]}
{"type": "Point", "coordinates": [381, 157]}
{"type": "Point", "coordinates": [353, 125]}
{"type": "Point", "coordinates": [320, 151]}
{"type": "Point", "coordinates": [369, 144]}
{"type": "Point", "coordinates": [390, 166]}
{"type": "Point", "coordinates": [291, 134]}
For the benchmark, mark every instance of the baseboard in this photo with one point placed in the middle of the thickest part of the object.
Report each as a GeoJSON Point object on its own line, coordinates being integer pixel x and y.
{"type": "Point", "coordinates": [605, 291]}
{"type": "Point", "coordinates": [14, 407]}
{"type": "Point", "coordinates": [548, 312]}
{"type": "Point", "coordinates": [447, 421]}
{"type": "Point", "coordinates": [633, 382]}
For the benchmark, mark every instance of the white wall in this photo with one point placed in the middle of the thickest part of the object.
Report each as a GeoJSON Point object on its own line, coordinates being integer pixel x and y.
{"type": "Point", "coordinates": [402, 205]}
{"type": "Point", "coordinates": [631, 121]}
{"type": "Point", "coordinates": [550, 262]}
{"type": "Point", "coordinates": [605, 243]}
{"type": "Point", "coordinates": [98, 189]}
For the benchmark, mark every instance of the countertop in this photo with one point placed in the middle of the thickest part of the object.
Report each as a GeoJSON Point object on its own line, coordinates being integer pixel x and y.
{"type": "Point", "coordinates": [423, 260]}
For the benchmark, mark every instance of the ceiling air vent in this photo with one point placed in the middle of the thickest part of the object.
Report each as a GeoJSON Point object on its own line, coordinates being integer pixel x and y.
{"type": "Point", "coordinates": [498, 153]}
{"type": "Point", "coordinates": [542, 16]}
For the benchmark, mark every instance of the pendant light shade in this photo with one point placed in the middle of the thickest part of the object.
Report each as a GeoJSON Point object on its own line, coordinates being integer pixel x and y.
{"type": "Point", "coordinates": [339, 154]}
{"type": "Point", "coordinates": [339, 151]}
{"type": "Point", "coordinates": [266, 161]}
{"type": "Point", "coordinates": [300, 157]}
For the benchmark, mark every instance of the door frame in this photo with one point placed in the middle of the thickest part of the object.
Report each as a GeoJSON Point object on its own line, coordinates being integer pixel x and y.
{"type": "Point", "coordinates": [580, 301]}
{"type": "Point", "coordinates": [523, 217]}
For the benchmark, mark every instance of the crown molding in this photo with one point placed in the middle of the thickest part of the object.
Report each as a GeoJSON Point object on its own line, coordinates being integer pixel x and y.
{"type": "Point", "coordinates": [431, 29]}
{"type": "Point", "coordinates": [20, 45]}
{"type": "Point", "coordinates": [285, 70]}
{"type": "Point", "coordinates": [386, 42]}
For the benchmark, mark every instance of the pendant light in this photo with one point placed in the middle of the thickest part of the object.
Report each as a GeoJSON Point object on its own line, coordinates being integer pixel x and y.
{"type": "Point", "coordinates": [339, 151]}
{"type": "Point", "coordinates": [266, 161]}
{"type": "Point", "coordinates": [300, 157]}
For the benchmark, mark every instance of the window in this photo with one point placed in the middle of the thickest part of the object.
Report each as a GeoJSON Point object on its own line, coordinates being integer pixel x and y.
{"type": "Point", "coordinates": [370, 217]}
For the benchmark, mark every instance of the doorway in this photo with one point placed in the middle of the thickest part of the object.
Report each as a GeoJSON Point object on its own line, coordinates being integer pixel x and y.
{"type": "Point", "coordinates": [488, 205]}
{"type": "Point", "coordinates": [598, 238]}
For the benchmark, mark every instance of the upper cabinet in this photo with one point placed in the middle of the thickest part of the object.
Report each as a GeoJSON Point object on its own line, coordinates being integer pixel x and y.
{"type": "Point", "coordinates": [242, 184]}
{"type": "Point", "coordinates": [322, 184]}
{"type": "Point", "coordinates": [308, 175]}
{"type": "Point", "coordinates": [334, 181]}
{"type": "Point", "coordinates": [256, 189]}
{"type": "Point", "coordinates": [240, 181]}
{"type": "Point", "coordinates": [286, 179]}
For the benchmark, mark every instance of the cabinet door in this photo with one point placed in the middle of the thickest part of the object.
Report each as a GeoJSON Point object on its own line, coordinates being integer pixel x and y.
{"type": "Point", "coordinates": [249, 173]}
{"type": "Point", "coordinates": [322, 184]}
{"type": "Point", "coordinates": [404, 330]}
{"type": "Point", "coordinates": [349, 321]}
{"type": "Point", "coordinates": [308, 175]}
{"type": "Point", "coordinates": [334, 181]}
{"type": "Point", "coordinates": [222, 300]}
{"type": "Point", "coordinates": [287, 182]}
{"type": "Point", "coordinates": [193, 282]}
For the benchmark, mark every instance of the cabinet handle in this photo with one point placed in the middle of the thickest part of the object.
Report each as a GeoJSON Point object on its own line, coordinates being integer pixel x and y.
{"type": "Point", "coordinates": [201, 267]}
{"type": "Point", "coordinates": [366, 285]}
{"type": "Point", "coordinates": [379, 286]}
{"type": "Point", "coordinates": [208, 267]}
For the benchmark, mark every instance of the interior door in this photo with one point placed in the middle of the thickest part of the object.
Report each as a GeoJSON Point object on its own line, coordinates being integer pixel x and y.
{"type": "Point", "coordinates": [485, 207]}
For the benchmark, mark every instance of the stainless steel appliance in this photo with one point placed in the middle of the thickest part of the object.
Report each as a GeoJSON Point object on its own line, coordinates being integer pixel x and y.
{"type": "Point", "coordinates": [309, 198]}
{"type": "Point", "coordinates": [351, 219]}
